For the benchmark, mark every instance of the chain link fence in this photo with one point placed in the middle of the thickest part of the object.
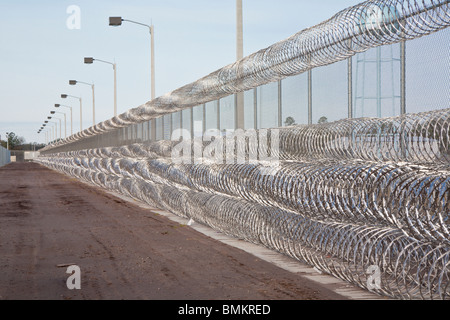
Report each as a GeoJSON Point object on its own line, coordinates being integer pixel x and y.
{"type": "Point", "coordinates": [338, 156]}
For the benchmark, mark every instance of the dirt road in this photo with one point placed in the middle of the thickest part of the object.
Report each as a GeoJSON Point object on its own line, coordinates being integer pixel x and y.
{"type": "Point", "coordinates": [123, 251]}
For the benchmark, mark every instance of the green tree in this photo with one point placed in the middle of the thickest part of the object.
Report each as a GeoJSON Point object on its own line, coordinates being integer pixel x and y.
{"type": "Point", "coordinates": [14, 140]}
{"type": "Point", "coordinates": [323, 120]}
{"type": "Point", "coordinates": [290, 121]}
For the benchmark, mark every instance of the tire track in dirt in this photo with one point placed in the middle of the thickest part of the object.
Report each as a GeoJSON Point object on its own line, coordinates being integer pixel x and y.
{"type": "Point", "coordinates": [123, 250]}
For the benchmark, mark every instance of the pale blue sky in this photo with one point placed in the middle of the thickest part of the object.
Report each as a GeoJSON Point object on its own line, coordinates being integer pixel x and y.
{"type": "Point", "coordinates": [39, 54]}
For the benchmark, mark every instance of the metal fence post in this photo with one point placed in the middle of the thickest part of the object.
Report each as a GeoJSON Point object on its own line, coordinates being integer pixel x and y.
{"type": "Point", "coordinates": [280, 106]}
{"type": "Point", "coordinates": [192, 122]}
{"type": "Point", "coordinates": [310, 96]}
{"type": "Point", "coordinates": [403, 77]}
{"type": "Point", "coordinates": [162, 128]}
{"type": "Point", "coordinates": [204, 120]}
{"type": "Point", "coordinates": [153, 129]}
{"type": "Point", "coordinates": [255, 107]}
{"type": "Point", "coordinates": [350, 87]}
{"type": "Point", "coordinates": [218, 115]}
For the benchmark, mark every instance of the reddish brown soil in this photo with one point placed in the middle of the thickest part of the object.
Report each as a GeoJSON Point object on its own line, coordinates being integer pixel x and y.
{"type": "Point", "coordinates": [124, 251]}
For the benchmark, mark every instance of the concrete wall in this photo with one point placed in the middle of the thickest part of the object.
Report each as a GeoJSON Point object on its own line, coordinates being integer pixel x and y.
{"type": "Point", "coordinates": [5, 156]}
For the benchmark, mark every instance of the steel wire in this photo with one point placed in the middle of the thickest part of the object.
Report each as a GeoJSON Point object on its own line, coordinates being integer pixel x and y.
{"type": "Point", "coordinates": [349, 197]}
{"type": "Point", "coordinates": [409, 268]}
{"type": "Point", "coordinates": [356, 29]}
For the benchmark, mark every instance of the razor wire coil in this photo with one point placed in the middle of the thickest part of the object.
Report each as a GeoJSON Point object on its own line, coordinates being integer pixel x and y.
{"type": "Point", "coordinates": [370, 24]}
{"type": "Point", "coordinates": [348, 197]}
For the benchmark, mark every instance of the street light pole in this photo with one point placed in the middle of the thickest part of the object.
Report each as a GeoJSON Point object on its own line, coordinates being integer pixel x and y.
{"type": "Point", "coordinates": [65, 96]}
{"type": "Point", "coordinates": [44, 126]}
{"type": "Point", "coordinates": [75, 82]}
{"type": "Point", "coordinates": [60, 125]}
{"type": "Point", "coordinates": [240, 124]}
{"type": "Point", "coordinates": [71, 116]}
{"type": "Point", "coordinates": [48, 130]}
{"type": "Point", "coordinates": [49, 134]}
{"type": "Point", "coordinates": [55, 129]}
{"type": "Point", "coordinates": [117, 21]}
{"type": "Point", "coordinates": [93, 104]}
{"type": "Point", "coordinates": [65, 123]}
{"type": "Point", "coordinates": [115, 89]}
{"type": "Point", "coordinates": [91, 60]}
{"type": "Point", "coordinates": [239, 28]}
{"type": "Point", "coordinates": [152, 33]}
{"type": "Point", "coordinates": [53, 117]}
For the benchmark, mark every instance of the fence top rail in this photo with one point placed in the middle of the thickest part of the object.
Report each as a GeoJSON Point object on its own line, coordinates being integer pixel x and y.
{"type": "Point", "coordinates": [356, 29]}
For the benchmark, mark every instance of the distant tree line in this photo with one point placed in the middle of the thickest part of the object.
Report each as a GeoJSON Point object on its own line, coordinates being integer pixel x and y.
{"type": "Point", "coordinates": [15, 142]}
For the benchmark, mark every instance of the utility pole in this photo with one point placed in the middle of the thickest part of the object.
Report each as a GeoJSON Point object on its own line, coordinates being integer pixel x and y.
{"type": "Point", "coordinates": [240, 124]}
{"type": "Point", "coordinates": [240, 29]}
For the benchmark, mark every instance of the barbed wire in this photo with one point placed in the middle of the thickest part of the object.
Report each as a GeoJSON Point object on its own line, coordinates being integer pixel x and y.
{"type": "Point", "coordinates": [345, 197]}
{"type": "Point", "coordinates": [421, 138]}
{"type": "Point", "coordinates": [413, 199]}
{"type": "Point", "coordinates": [344, 207]}
{"type": "Point", "coordinates": [408, 268]}
{"type": "Point", "coordinates": [356, 29]}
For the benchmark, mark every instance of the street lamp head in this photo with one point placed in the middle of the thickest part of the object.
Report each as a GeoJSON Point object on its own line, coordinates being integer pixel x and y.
{"type": "Point", "coordinates": [73, 82]}
{"type": "Point", "coordinates": [64, 96]}
{"type": "Point", "coordinates": [89, 60]}
{"type": "Point", "coordinates": [115, 21]}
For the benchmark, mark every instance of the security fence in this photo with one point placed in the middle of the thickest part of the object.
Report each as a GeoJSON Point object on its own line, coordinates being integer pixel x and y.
{"type": "Point", "coordinates": [5, 156]}
{"type": "Point", "coordinates": [331, 147]}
